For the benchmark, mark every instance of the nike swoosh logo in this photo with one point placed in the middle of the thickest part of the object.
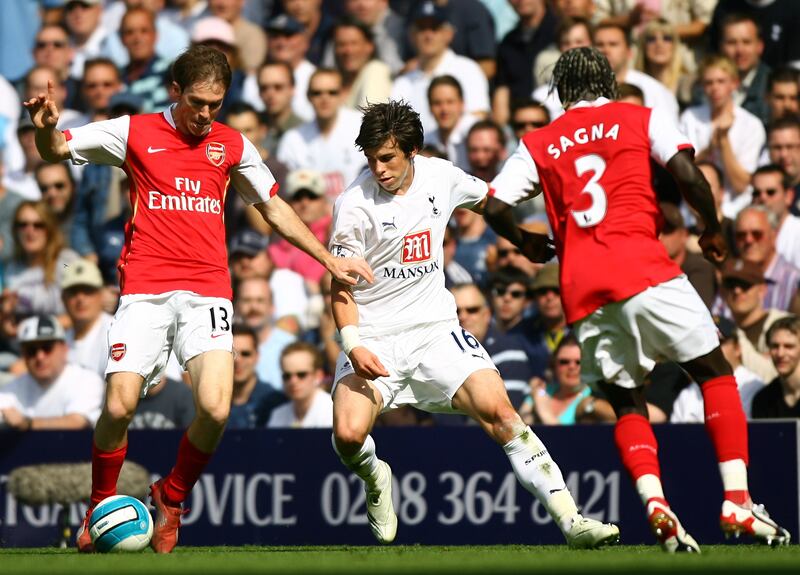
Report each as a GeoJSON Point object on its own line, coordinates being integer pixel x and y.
{"type": "Point", "coordinates": [152, 150]}
{"type": "Point", "coordinates": [216, 335]}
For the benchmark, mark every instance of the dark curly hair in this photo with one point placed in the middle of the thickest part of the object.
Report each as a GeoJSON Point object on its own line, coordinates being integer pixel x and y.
{"type": "Point", "coordinates": [391, 120]}
{"type": "Point", "coordinates": [583, 74]}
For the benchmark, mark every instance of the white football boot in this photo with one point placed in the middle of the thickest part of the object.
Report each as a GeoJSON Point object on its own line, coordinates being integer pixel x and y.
{"type": "Point", "coordinates": [735, 520]}
{"type": "Point", "coordinates": [588, 533]}
{"type": "Point", "coordinates": [380, 510]}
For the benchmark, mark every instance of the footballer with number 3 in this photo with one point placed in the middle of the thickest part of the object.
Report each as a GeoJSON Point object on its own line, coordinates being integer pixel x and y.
{"type": "Point", "coordinates": [174, 277]}
{"type": "Point", "coordinates": [402, 343]}
{"type": "Point", "coordinates": [629, 304]}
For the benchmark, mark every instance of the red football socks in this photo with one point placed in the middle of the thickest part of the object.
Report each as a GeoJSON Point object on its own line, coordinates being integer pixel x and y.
{"type": "Point", "coordinates": [725, 420]}
{"type": "Point", "coordinates": [106, 466]}
{"type": "Point", "coordinates": [190, 464]}
{"type": "Point", "coordinates": [637, 446]}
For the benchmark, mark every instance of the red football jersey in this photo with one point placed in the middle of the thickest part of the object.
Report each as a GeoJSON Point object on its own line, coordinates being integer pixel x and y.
{"type": "Point", "coordinates": [175, 239]}
{"type": "Point", "coordinates": [593, 164]}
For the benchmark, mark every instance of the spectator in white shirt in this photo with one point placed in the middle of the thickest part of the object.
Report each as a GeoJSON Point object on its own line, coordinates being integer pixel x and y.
{"type": "Point", "coordinates": [83, 19]}
{"type": "Point", "coordinates": [725, 134]}
{"type": "Point", "coordinates": [771, 189]}
{"type": "Point", "coordinates": [446, 101]}
{"type": "Point", "coordinates": [326, 143]}
{"type": "Point", "coordinates": [688, 406]}
{"type": "Point", "coordinates": [431, 35]}
{"type": "Point", "coordinates": [53, 394]}
{"type": "Point", "coordinates": [82, 293]}
{"type": "Point", "coordinates": [309, 405]}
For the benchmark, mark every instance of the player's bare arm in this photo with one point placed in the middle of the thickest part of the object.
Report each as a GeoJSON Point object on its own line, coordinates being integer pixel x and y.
{"type": "Point", "coordinates": [695, 190]}
{"type": "Point", "coordinates": [345, 312]}
{"type": "Point", "coordinates": [285, 221]}
{"type": "Point", "coordinates": [50, 141]}
{"type": "Point", "coordinates": [534, 246]}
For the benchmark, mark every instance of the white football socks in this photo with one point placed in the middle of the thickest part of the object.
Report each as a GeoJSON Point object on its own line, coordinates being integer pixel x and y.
{"type": "Point", "coordinates": [734, 475]}
{"type": "Point", "coordinates": [649, 486]}
{"type": "Point", "coordinates": [539, 474]}
{"type": "Point", "coordinates": [364, 463]}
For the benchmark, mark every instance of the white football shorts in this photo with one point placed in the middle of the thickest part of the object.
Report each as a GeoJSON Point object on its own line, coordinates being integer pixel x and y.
{"type": "Point", "coordinates": [426, 364]}
{"type": "Point", "coordinates": [622, 341]}
{"type": "Point", "coordinates": [147, 327]}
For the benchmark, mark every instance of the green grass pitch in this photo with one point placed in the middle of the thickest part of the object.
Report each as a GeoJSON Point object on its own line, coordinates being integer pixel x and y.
{"type": "Point", "coordinates": [487, 560]}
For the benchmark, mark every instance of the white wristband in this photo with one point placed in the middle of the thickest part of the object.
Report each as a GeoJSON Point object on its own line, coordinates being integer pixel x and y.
{"type": "Point", "coordinates": [350, 338]}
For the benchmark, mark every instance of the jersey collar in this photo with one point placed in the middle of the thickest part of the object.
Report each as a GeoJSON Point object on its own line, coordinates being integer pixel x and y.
{"type": "Point", "coordinates": [590, 103]}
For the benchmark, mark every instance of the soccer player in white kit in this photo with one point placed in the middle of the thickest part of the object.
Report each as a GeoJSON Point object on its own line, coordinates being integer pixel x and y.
{"type": "Point", "coordinates": [402, 343]}
{"type": "Point", "coordinates": [174, 275]}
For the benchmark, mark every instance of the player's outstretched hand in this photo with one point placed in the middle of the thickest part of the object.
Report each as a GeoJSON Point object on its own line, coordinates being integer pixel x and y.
{"type": "Point", "coordinates": [537, 247]}
{"type": "Point", "coordinates": [714, 247]}
{"type": "Point", "coordinates": [346, 270]}
{"type": "Point", "coordinates": [43, 109]}
{"type": "Point", "coordinates": [366, 364]}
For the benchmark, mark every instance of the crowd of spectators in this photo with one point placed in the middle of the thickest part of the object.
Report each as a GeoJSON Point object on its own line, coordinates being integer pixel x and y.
{"type": "Point", "coordinates": [477, 71]}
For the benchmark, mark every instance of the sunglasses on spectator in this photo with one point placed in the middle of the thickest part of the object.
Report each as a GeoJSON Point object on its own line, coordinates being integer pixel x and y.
{"type": "Point", "coordinates": [245, 353]}
{"type": "Point", "coordinates": [42, 44]}
{"type": "Point", "coordinates": [733, 284]}
{"type": "Point", "coordinates": [57, 185]}
{"type": "Point", "coordinates": [33, 349]}
{"type": "Point", "coordinates": [569, 362]}
{"type": "Point", "coordinates": [22, 224]}
{"type": "Point", "coordinates": [652, 38]}
{"type": "Point", "coordinates": [529, 124]}
{"type": "Point", "coordinates": [514, 293]}
{"type": "Point", "coordinates": [546, 290]}
{"type": "Point", "coordinates": [469, 310]}
{"type": "Point", "coordinates": [287, 375]}
{"type": "Point", "coordinates": [504, 253]}
{"type": "Point", "coordinates": [769, 192]}
{"type": "Point", "coordinates": [317, 93]}
{"type": "Point", "coordinates": [758, 235]}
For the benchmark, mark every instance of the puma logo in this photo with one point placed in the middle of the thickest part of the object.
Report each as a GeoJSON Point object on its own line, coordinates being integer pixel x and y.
{"type": "Point", "coordinates": [388, 225]}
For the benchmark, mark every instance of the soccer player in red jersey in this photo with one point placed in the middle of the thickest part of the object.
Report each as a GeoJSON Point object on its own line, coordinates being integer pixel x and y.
{"type": "Point", "coordinates": [174, 277]}
{"type": "Point", "coordinates": [628, 303]}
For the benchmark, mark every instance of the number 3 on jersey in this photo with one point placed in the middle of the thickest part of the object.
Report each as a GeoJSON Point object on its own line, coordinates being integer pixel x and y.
{"type": "Point", "coordinates": [595, 213]}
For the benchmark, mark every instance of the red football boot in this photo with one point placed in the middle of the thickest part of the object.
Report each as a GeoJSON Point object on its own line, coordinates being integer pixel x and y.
{"type": "Point", "coordinates": [168, 520]}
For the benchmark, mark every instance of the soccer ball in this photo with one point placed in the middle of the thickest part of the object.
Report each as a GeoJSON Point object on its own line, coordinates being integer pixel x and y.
{"type": "Point", "coordinates": [120, 523]}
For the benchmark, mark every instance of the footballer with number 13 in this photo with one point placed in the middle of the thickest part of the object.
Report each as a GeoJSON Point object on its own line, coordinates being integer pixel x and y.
{"type": "Point", "coordinates": [174, 278]}
{"type": "Point", "coordinates": [401, 341]}
{"type": "Point", "coordinates": [628, 302]}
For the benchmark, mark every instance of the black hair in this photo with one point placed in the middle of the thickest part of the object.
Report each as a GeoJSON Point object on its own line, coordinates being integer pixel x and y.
{"type": "Point", "coordinates": [490, 125]}
{"type": "Point", "coordinates": [351, 22]}
{"type": "Point", "coordinates": [783, 75]}
{"type": "Point", "coordinates": [395, 120]}
{"type": "Point", "coordinates": [244, 329]}
{"type": "Point", "coordinates": [737, 18]}
{"type": "Point", "coordinates": [583, 73]}
{"type": "Point", "coordinates": [629, 90]}
{"type": "Point", "coordinates": [786, 181]}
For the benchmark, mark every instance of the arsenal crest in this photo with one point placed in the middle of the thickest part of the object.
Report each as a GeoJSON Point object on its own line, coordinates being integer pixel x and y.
{"type": "Point", "coordinates": [215, 152]}
{"type": "Point", "coordinates": [117, 351]}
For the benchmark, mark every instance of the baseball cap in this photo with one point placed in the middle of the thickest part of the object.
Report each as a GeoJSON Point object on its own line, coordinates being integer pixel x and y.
{"type": "Point", "coordinates": [546, 277]}
{"type": "Point", "coordinates": [40, 328]}
{"type": "Point", "coordinates": [126, 102]}
{"type": "Point", "coordinates": [726, 327]}
{"type": "Point", "coordinates": [309, 180]}
{"type": "Point", "coordinates": [429, 10]}
{"type": "Point", "coordinates": [248, 242]}
{"type": "Point", "coordinates": [285, 24]}
{"type": "Point", "coordinates": [82, 273]}
{"type": "Point", "coordinates": [213, 29]}
{"type": "Point", "coordinates": [743, 271]}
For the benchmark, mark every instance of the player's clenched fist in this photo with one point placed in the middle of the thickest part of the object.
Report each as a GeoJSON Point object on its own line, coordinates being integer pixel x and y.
{"type": "Point", "coordinates": [536, 247]}
{"type": "Point", "coordinates": [43, 109]}
{"type": "Point", "coordinates": [366, 364]}
{"type": "Point", "coordinates": [714, 247]}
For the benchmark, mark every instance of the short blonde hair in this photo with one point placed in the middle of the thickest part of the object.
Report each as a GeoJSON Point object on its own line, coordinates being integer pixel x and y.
{"type": "Point", "coordinates": [722, 62]}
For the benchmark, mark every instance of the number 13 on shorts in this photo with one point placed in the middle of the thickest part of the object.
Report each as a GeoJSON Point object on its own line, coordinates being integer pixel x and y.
{"type": "Point", "coordinates": [220, 320]}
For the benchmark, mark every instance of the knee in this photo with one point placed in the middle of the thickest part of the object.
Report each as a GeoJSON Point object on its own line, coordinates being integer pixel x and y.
{"type": "Point", "coordinates": [505, 423]}
{"type": "Point", "coordinates": [347, 438]}
{"type": "Point", "coordinates": [118, 410]}
{"type": "Point", "coordinates": [214, 415]}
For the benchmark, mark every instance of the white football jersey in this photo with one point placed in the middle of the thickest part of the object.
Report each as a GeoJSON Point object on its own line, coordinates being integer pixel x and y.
{"type": "Point", "coordinates": [401, 237]}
